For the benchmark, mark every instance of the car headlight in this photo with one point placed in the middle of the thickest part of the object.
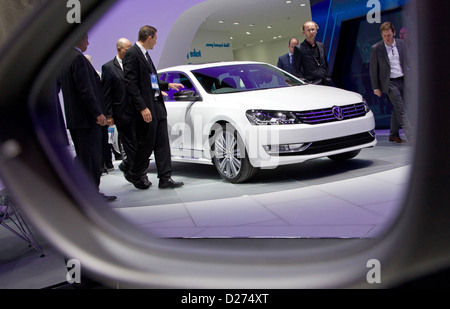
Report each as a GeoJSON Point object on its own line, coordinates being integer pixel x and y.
{"type": "Point", "coordinates": [265, 117]}
{"type": "Point", "coordinates": [366, 106]}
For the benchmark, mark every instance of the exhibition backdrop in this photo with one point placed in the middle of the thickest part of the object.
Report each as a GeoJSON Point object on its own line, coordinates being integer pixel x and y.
{"type": "Point", "coordinates": [343, 28]}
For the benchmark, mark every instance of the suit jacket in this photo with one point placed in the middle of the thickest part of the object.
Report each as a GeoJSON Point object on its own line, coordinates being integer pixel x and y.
{"type": "Point", "coordinates": [380, 67]}
{"type": "Point", "coordinates": [114, 92]}
{"type": "Point", "coordinates": [137, 72]}
{"type": "Point", "coordinates": [305, 64]}
{"type": "Point", "coordinates": [285, 64]}
{"type": "Point", "coordinates": [82, 92]}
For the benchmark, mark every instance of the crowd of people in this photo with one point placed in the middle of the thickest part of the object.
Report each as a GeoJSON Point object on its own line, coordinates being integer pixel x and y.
{"type": "Point", "coordinates": [389, 68]}
{"type": "Point", "coordinates": [127, 94]}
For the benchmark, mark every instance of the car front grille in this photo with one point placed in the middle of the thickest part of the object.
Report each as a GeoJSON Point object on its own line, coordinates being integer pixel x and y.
{"type": "Point", "coordinates": [325, 115]}
{"type": "Point", "coordinates": [335, 144]}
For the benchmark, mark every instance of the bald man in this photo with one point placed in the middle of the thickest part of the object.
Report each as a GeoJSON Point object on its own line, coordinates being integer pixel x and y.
{"type": "Point", "coordinates": [118, 108]}
{"type": "Point", "coordinates": [310, 61]}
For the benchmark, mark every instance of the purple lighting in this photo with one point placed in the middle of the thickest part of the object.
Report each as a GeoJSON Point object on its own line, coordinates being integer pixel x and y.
{"type": "Point", "coordinates": [124, 20]}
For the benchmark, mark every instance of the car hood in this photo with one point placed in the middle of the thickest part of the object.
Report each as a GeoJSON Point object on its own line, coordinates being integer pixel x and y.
{"type": "Point", "coordinates": [291, 98]}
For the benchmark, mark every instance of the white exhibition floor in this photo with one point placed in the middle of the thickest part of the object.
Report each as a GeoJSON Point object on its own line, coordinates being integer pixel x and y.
{"type": "Point", "coordinates": [319, 199]}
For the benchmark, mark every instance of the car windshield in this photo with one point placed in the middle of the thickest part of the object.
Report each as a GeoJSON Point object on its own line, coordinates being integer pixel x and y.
{"type": "Point", "coordinates": [243, 77]}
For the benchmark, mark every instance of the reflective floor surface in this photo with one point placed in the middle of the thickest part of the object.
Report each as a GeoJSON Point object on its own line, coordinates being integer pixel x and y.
{"type": "Point", "coordinates": [316, 200]}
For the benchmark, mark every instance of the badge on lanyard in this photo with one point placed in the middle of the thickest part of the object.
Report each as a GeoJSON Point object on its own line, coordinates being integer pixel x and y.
{"type": "Point", "coordinates": [154, 79]}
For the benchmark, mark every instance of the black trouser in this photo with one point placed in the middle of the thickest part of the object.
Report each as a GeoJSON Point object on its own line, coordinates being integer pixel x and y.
{"type": "Point", "coordinates": [106, 149]}
{"type": "Point", "coordinates": [88, 149]}
{"type": "Point", "coordinates": [399, 116]}
{"type": "Point", "coordinates": [127, 135]}
{"type": "Point", "coordinates": [151, 138]}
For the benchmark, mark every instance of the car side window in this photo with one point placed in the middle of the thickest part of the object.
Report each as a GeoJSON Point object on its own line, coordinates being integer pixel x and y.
{"type": "Point", "coordinates": [178, 78]}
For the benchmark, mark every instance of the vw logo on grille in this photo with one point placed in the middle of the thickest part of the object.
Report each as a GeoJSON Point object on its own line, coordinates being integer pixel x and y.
{"type": "Point", "coordinates": [337, 112]}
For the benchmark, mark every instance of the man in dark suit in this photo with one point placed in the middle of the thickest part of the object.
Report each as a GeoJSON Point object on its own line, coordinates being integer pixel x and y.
{"type": "Point", "coordinates": [145, 92]}
{"type": "Point", "coordinates": [310, 61]}
{"type": "Point", "coordinates": [83, 105]}
{"type": "Point", "coordinates": [388, 70]}
{"type": "Point", "coordinates": [285, 62]}
{"type": "Point", "coordinates": [117, 103]}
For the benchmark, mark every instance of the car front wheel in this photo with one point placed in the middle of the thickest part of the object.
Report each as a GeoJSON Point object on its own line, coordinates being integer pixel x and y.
{"type": "Point", "coordinates": [229, 155]}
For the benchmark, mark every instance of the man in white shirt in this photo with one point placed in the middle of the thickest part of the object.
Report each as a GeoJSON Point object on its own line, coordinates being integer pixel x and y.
{"type": "Point", "coordinates": [388, 70]}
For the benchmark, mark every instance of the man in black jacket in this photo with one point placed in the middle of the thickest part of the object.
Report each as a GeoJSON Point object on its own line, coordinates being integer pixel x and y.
{"type": "Point", "coordinates": [145, 92]}
{"type": "Point", "coordinates": [83, 104]}
{"type": "Point", "coordinates": [310, 61]}
{"type": "Point", "coordinates": [117, 103]}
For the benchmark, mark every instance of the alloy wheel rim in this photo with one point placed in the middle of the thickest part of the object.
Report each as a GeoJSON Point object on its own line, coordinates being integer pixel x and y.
{"type": "Point", "coordinates": [227, 153]}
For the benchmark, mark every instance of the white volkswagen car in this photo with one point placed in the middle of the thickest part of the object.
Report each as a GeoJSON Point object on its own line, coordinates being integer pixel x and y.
{"type": "Point", "coordinates": [243, 116]}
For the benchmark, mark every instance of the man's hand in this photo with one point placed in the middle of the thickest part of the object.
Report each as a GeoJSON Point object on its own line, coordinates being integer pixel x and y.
{"type": "Point", "coordinates": [176, 86]}
{"type": "Point", "coordinates": [101, 120]}
{"type": "Point", "coordinates": [377, 92]}
{"type": "Point", "coordinates": [146, 115]}
{"type": "Point", "coordinates": [110, 121]}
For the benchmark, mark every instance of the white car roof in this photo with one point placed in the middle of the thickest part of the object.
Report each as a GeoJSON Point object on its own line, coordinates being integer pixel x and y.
{"type": "Point", "coordinates": [189, 67]}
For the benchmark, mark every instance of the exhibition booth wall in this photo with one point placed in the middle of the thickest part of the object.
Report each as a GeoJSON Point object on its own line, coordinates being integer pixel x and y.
{"type": "Point", "coordinates": [182, 36]}
{"type": "Point", "coordinates": [189, 33]}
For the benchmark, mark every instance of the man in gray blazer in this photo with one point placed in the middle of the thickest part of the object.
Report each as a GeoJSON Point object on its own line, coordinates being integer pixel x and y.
{"type": "Point", "coordinates": [388, 70]}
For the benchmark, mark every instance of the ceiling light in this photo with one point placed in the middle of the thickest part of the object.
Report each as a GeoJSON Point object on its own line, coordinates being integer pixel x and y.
{"type": "Point", "coordinates": [247, 32]}
{"type": "Point", "coordinates": [220, 21]}
{"type": "Point", "coordinates": [236, 23]}
{"type": "Point", "coordinates": [302, 4]}
{"type": "Point", "coordinates": [269, 27]}
{"type": "Point", "coordinates": [288, 1]}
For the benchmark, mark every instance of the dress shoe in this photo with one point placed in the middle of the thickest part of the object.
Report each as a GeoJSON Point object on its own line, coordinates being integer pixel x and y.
{"type": "Point", "coordinates": [145, 180]}
{"type": "Point", "coordinates": [123, 169]}
{"type": "Point", "coordinates": [396, 139]}
{"type": "Point", "coordinates": [108, 198]}
{"type": "Point", "coordinates": [139, 182]}
{"type": "Point", "coordinates": [169, 183]}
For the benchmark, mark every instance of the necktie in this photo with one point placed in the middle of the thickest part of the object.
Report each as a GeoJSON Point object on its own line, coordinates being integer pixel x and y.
{"type": "Point", "coordinates": [152, 69]}
{"type": "Point", "coordinates": [147, 56]}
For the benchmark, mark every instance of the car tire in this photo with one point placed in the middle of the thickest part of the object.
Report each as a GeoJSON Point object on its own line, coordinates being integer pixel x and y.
{"type": "Point", "coordinates": [345, 156]}
{"type": "Point", "coordinates": [229, 155]}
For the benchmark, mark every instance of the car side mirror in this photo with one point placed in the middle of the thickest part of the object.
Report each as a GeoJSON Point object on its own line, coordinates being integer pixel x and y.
{"type": "Point", "coordinates": [186, 95]}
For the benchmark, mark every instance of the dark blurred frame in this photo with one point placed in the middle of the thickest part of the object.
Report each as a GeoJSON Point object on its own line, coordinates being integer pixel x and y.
{"type": "Point", "coordinates": [38, 174]}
